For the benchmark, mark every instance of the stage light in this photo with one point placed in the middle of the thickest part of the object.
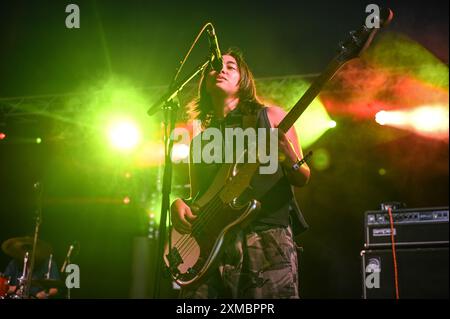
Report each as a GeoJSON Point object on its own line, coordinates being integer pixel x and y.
{"type": "Point", "coordinates": [38, 140]}
{"type": "Point", "coordinates": [381, 117]}
{"type": "Point", "coordinates": [180, 152]}
{"type": "Point", "coordinates": [2, 136]}
{"type": "Point", "coordinates": [123, 135]}
{"type": "Point", "coordinates": [382, 171]}
{"type": "Point", "coordinates": [426, 120]}
{"type": "Point", "coordinates": [150, 154]}
{"type": "Point", "coordinates": [126, 200]}
{"type": "Point", "coordinates": [321, 159]}
{"type": "Point", "coordinates": [429, 119]}
{"type": "Point", "coordinates": [390, 118]}
{"type": "Point", "coordinates": [313, 123]}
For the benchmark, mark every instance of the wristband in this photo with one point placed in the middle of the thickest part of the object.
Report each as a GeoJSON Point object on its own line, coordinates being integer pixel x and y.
{"type": "Point", "coordinates": [299, 163]}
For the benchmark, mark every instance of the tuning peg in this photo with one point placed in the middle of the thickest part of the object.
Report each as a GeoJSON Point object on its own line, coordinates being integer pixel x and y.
{"type": "Point", "coordinates": [353, 36]}
{"type": "Point", "coordinates": [342, 46]}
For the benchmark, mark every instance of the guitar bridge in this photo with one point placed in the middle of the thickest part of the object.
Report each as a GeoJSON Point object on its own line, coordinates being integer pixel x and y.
{"type": "Point", "coordinates": [192, 271]}
{"type": "Point", "coordinates": [174, 259]}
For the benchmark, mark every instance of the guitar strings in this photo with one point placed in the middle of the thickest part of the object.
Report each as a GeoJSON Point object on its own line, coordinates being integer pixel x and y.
{"type": "Point", "coordinates": [190, 241]}
{"type": "Point", "coordinates": [208, 208]}
{"type": "Point", "coordinates": [187, 243]}
{"type": "Point", "coordinates": [213, 211]}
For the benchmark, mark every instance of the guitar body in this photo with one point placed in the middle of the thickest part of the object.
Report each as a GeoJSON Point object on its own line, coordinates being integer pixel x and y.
{"type": "Point", "coordinates": [192, 255]}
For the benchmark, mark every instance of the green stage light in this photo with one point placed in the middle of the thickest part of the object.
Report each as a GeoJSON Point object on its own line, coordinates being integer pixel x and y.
{"type": "Point", "coordinates": [38, 140]}
{"type": "Point", "coordinates": [115, 125]}
{"type": "Point", "coordinates": [321, 159]}
{"type": "Point", "coordinates": [313, 123]}
{"type": "Point", "coordinates": [123, 135]}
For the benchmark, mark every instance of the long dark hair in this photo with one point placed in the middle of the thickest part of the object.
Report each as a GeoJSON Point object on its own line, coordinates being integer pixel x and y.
{"type": "Point", "coordinates": [249, 103]}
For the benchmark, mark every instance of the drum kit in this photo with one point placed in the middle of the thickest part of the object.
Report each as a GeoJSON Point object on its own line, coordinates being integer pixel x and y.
{"type": "Point", "coordinates": [21, 248]}
{"type": "Point", "coordinates": [4, 286]}
{"type": "Point", "coordinates": [32, 251]}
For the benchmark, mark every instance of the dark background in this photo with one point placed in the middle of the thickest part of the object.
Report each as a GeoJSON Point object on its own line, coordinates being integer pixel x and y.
{"type": "Point", "coordinates": [143, 41]}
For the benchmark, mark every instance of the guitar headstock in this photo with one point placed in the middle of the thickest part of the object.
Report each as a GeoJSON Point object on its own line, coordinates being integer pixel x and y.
{"type": "Point", "coordinates": [359, 40]}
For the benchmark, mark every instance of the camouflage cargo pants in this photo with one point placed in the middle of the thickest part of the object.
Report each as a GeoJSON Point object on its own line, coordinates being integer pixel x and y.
{"type": "Point", "coordinates": [255, 264]}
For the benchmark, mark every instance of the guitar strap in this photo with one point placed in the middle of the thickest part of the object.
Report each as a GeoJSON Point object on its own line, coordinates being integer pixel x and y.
{"type": "Point", "coordinates": [250, 120]}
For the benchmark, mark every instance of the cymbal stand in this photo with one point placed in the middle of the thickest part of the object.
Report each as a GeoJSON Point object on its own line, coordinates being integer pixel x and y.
{"type": "Point", "coordinates": [47, 274]}
{"type": "Point", "coordinates": [22, 280]}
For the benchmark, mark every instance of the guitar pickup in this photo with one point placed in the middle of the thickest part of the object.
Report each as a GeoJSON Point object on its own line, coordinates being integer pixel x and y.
{"type": "Point", "coordinates": [174, 259]}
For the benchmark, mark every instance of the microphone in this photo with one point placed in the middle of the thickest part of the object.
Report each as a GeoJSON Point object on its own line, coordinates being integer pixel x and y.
{"type": "Point", "coordinates": [67, 258]}
{"type": "Point", "coordinates": [216, 61]}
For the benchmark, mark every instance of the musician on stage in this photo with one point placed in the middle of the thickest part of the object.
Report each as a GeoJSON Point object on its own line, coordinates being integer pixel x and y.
{"type": "Point", "coordinates": [260, 260]}
{"type": "Point", "coordinates": [45, 271]}
{"type": "Point", "coordinates": [14, 271]}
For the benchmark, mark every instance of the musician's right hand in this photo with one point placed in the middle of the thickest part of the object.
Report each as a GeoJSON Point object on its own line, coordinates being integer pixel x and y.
{"type": "Point", "coordinates": [182, 216]}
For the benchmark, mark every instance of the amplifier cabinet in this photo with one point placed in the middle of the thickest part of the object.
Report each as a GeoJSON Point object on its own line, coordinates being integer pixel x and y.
{"type": "Point", "coordinates": [422, 273]}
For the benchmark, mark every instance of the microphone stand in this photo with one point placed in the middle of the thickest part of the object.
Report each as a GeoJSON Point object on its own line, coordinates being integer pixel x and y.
{"type": "Point", "coordinates": [29, 277]}
{"type": "Point", "coordinates": [170, 108]}
{"type": "Point", "coordinates": [63, 268]}
{"type": "Point", "coordinates": [68, 289]}
{"type": "Point", "coordinates": [22, 279]}
{"type": "Point", "coordinates": [175, 89]}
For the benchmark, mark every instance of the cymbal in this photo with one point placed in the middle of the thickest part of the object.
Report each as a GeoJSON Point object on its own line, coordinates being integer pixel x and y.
{"type": "Point", "coordinates": [18, 246]}
{"type": "Point", "coordinates": [47, 283]}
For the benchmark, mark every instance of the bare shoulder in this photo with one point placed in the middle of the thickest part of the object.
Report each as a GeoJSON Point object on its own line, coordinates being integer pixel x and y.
{"type": "Point", "coordinates": [275, 114]}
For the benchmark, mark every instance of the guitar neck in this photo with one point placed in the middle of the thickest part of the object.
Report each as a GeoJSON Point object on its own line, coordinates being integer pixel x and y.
{"type": "Point", "coordinates": [309, 95]}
